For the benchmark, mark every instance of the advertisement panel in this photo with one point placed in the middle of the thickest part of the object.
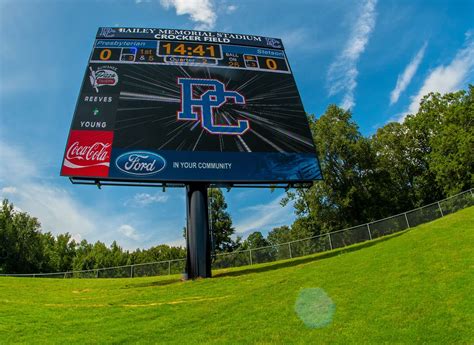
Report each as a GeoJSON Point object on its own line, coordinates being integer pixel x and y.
{"type": "Point", "coordinates": [163, 105]}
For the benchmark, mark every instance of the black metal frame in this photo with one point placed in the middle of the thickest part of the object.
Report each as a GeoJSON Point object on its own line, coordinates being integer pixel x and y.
{"type": "Point", "coordinates": [164, 185]}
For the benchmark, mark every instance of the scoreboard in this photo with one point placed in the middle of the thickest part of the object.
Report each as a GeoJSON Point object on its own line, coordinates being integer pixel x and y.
{"type": "Point", "coordinates": [190, 54]}
{"type": "Point", "coordinates": [164, 105]}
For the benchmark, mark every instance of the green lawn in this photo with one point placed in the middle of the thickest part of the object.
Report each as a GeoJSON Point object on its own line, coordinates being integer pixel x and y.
{"type": "Point", "coordinates": [414, 287]}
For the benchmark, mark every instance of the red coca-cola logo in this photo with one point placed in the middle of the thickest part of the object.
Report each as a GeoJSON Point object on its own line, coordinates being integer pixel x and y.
{"type": "Point", "coordinates": [95, 152]}
{"type": "Point", "coordinates": [88, 153]}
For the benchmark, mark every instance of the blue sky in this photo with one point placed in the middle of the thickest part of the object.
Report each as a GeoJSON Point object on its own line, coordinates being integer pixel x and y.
{"type": "Point", "coordinates": [376, 58]}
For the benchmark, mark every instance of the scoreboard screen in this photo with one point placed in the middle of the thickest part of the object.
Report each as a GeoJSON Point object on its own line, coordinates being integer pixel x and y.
{"type": "Point", "coordinates": [164, 105]}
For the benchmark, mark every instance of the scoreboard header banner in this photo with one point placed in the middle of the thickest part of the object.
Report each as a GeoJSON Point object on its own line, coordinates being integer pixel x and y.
{"type": "Point", "coordinates": [190, 35]}
{"type": "Point", "coordinates": [165, 105]}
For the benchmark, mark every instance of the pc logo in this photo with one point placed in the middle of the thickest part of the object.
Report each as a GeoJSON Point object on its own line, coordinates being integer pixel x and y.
{"type": "Point", "coordinates": [202, 108]}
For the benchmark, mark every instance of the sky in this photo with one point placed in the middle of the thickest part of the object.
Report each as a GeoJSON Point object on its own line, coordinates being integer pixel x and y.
{"type": "Point", "coordinates": [376, 58]}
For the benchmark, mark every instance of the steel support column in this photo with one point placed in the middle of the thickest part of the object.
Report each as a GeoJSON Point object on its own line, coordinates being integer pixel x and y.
{"type": "Point", "coordinates": [198, 262]}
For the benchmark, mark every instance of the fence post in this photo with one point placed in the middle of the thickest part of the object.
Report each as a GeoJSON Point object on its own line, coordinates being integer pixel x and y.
{"type": "Point", "coordinates": [406, 218]}
{"type": "Point", "coordinates": [131, 271]}
{"type": "Point", "coordinates": [250, 254]}
{"type": "Point", "coordinates": [368, 229]}
{"type": "Point", "coordinates": [330, 241]}
{"type": "Point", "coordinates": [169, 267]}
{"type": "Point", "coordinates": [440, 210]}
{"type": "Point", "coordinates": [97, 273]}
{"type": "Point", "coordinates": [289, 248]}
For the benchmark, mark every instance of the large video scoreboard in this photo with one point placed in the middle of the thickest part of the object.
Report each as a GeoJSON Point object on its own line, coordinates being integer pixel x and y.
{"type": "Point", "coordinates": [163, 105]}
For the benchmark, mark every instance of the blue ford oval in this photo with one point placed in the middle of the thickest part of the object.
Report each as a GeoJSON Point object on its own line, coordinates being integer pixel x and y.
{"type": "Point", "coordinates": [140, 163]}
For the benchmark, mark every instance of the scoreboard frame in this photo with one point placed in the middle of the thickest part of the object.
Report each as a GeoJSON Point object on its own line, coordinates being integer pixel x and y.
{"type": "Point", "coordinates": [190, 50]}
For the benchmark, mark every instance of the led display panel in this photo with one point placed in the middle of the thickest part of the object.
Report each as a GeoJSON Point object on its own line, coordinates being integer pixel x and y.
{"type": "Point", "coordinates": [165, 105]}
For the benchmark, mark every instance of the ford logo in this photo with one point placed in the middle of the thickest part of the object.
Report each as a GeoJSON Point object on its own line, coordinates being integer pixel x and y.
{"type": "Point", "coordinates": [140, 163]}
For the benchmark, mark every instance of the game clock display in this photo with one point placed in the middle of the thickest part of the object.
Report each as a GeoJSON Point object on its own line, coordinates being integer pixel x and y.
{"type": "Point", "coordinates": [170, 48]}
{"type": "Point", "coordinates": [164, 105]}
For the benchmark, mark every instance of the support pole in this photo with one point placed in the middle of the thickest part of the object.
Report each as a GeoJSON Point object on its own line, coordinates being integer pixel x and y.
{"type": "Point", "coordinates": [198, 261]}
{"type": "Point", "coordinates": [440, 209]}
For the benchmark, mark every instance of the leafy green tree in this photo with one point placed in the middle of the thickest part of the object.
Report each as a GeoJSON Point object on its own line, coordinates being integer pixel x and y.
{"type": "Point", "coordinates": [84, 259]}
{"type": "Point", "coordinates": [349, 193]}
{"type": "Point", "coordinates": [220, 222]}
{"type": "Point", "coordinates": [429, 155]}
{"type": "Point", "coordinates": [392, 146]}
{"type": "Point", "coordinates": [255, 240]}
{"type": "Point", "coordinates": [449, 120]}
{"type": "Point", "coordinates": [119, 257]}
{"type": "Point", "coordinates": [58, 252]}
{"type": "Point", "coordinates": [281, 234]}
{"type": "Point", "coordinates": [263, 253]}
{"type": "Point", "coordinates": [20, 241]}
{"type": "Point", "coordinates": [419, 136]}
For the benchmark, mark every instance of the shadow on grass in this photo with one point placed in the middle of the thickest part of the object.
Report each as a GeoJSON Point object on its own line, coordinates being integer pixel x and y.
{"type": "Point", "coordinates": [153, 283]}
{"type": "Point", "coordinates": [274, 265]}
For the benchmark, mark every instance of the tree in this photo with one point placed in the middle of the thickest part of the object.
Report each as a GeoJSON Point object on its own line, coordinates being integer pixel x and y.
{"type": "Point", "coordinates": [281, 234]}
{"type": "Point", "coordinates": [20, 241]}
{"type": "Point", "coordinates": [25, 249]}
{"type": "Point", "coordinates": [429, 155]}
{"type": "Point", "coordinates": [255, 240]}
{"type": "Point", "coordinates": [349, 193]}
{"type": "Point", "coordinates": [220, 222]}
{"type": "Point", "coordinates": [394, 159]}
{"type": "Point", "coordinates": [84, 259]}
{"type": "Point", "coordinates": [58, 252]}
{"type": "Point", "coordinates": [450, 121]}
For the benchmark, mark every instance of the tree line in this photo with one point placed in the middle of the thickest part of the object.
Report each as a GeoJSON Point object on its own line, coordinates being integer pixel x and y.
{"type": "Point", "coordinates": [24, 248]}
{"type": "Point", "coordinates": [427, 157]}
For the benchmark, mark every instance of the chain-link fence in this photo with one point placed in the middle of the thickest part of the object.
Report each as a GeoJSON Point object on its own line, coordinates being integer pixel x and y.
{"type": "Point", "coordinates": [293, 249]}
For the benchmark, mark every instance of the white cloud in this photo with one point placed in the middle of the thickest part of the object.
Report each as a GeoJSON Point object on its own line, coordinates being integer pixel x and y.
{"type": "Point", "coordinates": [55, 207]}
{"type": "Point", "coordinates": [342, 74]}
{"type": "Point", "coordinates": [57, 210]}
{"type": "Point", "coordinates": [200, 11]}
{"type": "Point", "coordinates": [144, 199]}
{"type": "Point", "coordinates": [181, 242]}
{"type": "Point", "coordinates": [405, 78]}
{"type": "Point", "coordinates": [297, 38]}
{"type": "Point", "coordinates": [266, 216]}
{"type": "Point", "coordinates": [14, 165]}
{"type": "Point", "coordinates": [231, 9]}
{"type": "Point", "coordinates": [445, 78]}
{"type": "Point", "coordinates": [8, 190]}
{"type": "Point", "coordinates": [129, 231]}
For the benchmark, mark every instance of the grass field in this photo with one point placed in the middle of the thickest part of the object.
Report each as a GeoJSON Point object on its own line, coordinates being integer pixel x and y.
{"type": "Point", "coordinates": [414, 287]}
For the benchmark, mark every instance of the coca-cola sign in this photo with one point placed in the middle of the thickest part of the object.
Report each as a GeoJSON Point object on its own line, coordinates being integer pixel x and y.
{"type": "Point", "coordinates": [88, 153]}
{"type": "Point", "coordinates": [103, 76]}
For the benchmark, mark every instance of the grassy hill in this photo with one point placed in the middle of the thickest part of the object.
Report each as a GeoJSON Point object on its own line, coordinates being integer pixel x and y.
{"type": "Point", "coordinates": [413, 287]}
